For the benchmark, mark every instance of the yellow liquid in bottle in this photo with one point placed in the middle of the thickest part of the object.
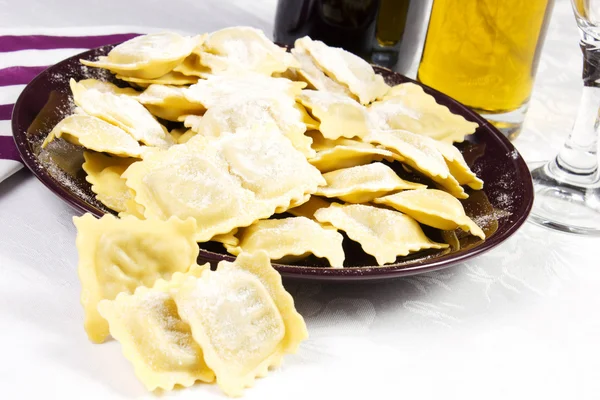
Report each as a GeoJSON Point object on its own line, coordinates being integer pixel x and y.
{"type": "Point", "coordinates": [484, 53]}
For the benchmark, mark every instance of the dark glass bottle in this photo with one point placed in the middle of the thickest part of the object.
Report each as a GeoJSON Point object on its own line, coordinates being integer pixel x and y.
{"type": "Point", "coordinates": [349, 24]}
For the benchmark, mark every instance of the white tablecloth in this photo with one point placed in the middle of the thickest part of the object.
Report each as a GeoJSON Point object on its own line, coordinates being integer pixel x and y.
{"type": "Point", "coordinates": [520, 322]}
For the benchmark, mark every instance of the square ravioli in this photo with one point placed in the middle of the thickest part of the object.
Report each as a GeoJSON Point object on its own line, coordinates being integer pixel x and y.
{"type": "Point", "coordinates": [290, 239]}
{"type": "Point", "coordinates": [384, 234]}
{"type": "Point", "coordinates": [218, 90]}
{"type": "Point", "coordinates": [407, 106]}
{"type": "Point", "coordinates": [270, 167]}
{"type": "Point", "coordinates": [262, 113]}
{"type": "Point", "coordinates": [118, 255]}
{"type": "Point", "coordinates": [153, 337]}
{"type": "Point", "coordinates": [122, 111]}
{"type": "Point", "coordinates": [243, 49]}
{"type": "Point", "coordinates": [315, 77]}
{"type": "Point", "coordinates": [345, 68]}
{"type": "Point", "coordinates": [146, 56]}
{"type": "Point", "coordinates": [225, 183]}
{"type": "Point", "coordinates": [243, 319]}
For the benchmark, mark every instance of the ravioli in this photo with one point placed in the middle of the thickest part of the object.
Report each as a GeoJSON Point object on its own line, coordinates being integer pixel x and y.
{"type": "Point", "coordinates": [186, 182]}
{"type": "Point", "coordinates": [122, 111]}
{"type": "Point", "coordinates": [345, 68]}
{"type": "Point", "coordinates": [338, 115]}
{"type": "Point", "coordinates": [243, 49]}
{"type": "Point", "coordinates": [249, 296]}
{"type": "Point", "coordinates": [407, 106]}
{"type": "Point", "coordinates": [104, 174]}
{"type": "Point", "coordinates": [218, 90]}
{"type": "Point", "coordinates": [269, 166]}
{"type": "Point", "coordinates": [95, 134]}
{"type": "Point", "coordinates": [147, 56]}
{"type": "Point", "coordinates": [434, 208]}
{"type": "Point", "coordinates": [315, 77]}
{"type": "Point", "coordinates": [363, 183]}
{"type": "Point", "coordinates": [264, 113]}
{"type": "Point", "coordinates": [309, 208]}
{"type": "Point", "coordinates": [224, 184]}
{"type": "Point", "coordinates": [168, 102]}
{"type": "Point", "coordinates": [291, 239]}
{"type": "Point", "coordinates": [458, 166]}
{"type": "Point", "coordinates": [420, 153]}
{"type": "Point", "coordinates": [118, 255]}
{"type": "Point", "coordinates": [192, 67]}
{"type": "Point", "coordinates": [344, 153]}
{"type": "Point", "coordinates": [153, 337]}
{"type": "Point", "coordinates": [384, 234]}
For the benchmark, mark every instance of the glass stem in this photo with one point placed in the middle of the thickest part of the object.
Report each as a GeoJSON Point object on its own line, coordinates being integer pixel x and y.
{"type": "Point", "coordinates": [577, 161]}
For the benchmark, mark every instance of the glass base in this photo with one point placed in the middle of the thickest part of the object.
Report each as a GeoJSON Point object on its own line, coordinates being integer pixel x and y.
{"type": "Point", "coordinates": [509, 123]}
{"type": "Point", "coordinates": [564, 207]}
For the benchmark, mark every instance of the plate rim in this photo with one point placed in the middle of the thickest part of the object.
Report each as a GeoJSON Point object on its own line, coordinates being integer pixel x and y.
{"type": "Point", "coordinates": [345, 274]}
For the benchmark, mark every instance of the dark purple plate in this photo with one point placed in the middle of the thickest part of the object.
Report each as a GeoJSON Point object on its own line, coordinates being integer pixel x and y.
{"type": "Point", "coordinates": [500, 208]}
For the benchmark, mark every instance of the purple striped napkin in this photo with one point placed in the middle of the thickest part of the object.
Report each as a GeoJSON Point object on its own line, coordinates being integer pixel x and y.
{"type": "Point", "coordinates": [23, 56]}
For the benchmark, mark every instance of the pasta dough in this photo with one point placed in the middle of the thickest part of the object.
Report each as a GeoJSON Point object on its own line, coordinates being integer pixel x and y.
{"type": "Point", "coordinates": [346, 68]}
{"type": "Point", "coordinates": [118, 255]}
{"type": "Point", "coordinates": [249, 296]}
{"type": "Point", "coordinates": [154, 338]}
{"type": "Point", "coordinates": [363, 183]}
{"type": "Point", "coordinates": [407, 106]}
{"type": "Point", "coordinates": [147, 56]}
{"type": "Point", "coordinates": [434, 208]}
{"type": "Point", "coordinates": [291, 239]}
{"type": "Point", "coordinates": [338, 115]}
{"type": "Point", "coordinates": [384, 234]}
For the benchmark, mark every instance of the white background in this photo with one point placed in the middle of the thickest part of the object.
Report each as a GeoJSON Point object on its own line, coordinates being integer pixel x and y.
{"type": "Point", "coordinates": [520, 322]}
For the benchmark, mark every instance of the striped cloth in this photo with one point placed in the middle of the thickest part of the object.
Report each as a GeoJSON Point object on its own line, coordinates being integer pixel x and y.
{"type": "Point", "coordinates": [23, 55]}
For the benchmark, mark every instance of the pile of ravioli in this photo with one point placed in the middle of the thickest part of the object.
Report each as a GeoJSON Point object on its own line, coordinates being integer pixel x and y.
{"type": "Point", "coordinates": [179, 322]}
{"type": "Point", "coordinates": [256, 132]}
{"type": "Point", "coordinates": [227, 137]}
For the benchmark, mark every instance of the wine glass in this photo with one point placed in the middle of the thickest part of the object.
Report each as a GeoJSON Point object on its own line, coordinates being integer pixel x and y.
{"type": "Point", "coordinates": [567, 189]}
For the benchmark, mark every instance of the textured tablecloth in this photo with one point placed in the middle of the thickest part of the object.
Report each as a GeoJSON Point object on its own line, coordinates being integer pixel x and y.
{"type": "Point", "coordinates": [519, 322]}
